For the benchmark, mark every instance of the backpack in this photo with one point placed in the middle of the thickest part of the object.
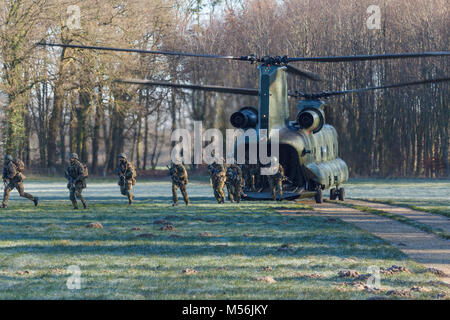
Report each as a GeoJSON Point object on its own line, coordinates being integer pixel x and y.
{"type": "Point", "coordinates": [84, 172]}
{"type": "Point", "coordinates": [20, 166]}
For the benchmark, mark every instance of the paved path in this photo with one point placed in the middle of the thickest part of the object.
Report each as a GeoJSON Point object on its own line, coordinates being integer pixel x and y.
{"type": "Point", "coordinates": [425, 248]}
{"type": "Point", "coordinates": [434, 221]}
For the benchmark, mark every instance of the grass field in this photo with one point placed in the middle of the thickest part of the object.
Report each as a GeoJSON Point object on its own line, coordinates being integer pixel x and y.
{"type": "Point", "coordinates": [229, 246]}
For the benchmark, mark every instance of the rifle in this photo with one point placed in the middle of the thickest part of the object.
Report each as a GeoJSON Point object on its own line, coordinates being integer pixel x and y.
{"type": "Point", "coordinates": [71, 182]}
{"type": "Point", "coordinates": [174, 177]}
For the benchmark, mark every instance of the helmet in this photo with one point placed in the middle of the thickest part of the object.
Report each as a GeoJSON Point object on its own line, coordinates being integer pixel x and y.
{"type": "Point", "coordinates": [122, 155]}
{"type": "Point", "coordinates": [8, 157]}
{"type": "Point", "coordinates": [177, 161]}
{"type": "Point", "coordinates": [74, 156]}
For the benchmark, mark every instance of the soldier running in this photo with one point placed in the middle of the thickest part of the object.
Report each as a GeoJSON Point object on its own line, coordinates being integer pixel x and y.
{"type": "Point", "coordinates": [127, 177]}
{"type": "Point", "coordinates": [179, 178]}
{"type": "Point", "coordinates": [276, 181]}
{"type": "Point", "coordinates": [76, 173]}
{"type": "Point", "coordinates": [13, 178]}
{"type": "Point", "coordinates": [218, 178]}
{"type": "Point", "coordinates": [234, 182]}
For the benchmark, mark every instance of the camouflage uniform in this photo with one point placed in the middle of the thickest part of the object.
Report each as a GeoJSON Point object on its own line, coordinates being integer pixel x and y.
{"type": "Point", "coordinates": [246, 175]}
{"type": "Point", "coordinates": [13, 178]}
{"type": "Point", "coordinates": [218, 178]}
{"type": "Point", "coordinates": [179, 177]}
{"type": "Point", "coordinates": [255, 177]}
{"type": "Point", "coordinates": [234, 182]}
{"type": "Point", "coordinates": [77, 181]}
{"type": "Point", "coordinates": [127, 177]}
{"type": "Point", "coordinates": [276, 182]}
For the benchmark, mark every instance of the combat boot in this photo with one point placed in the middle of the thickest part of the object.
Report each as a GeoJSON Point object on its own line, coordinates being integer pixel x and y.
{"type": "Point", "coordinates": [36, 201]}
{"type": "Point", "coordinates": [4, 206]}
{"type": "Point", "coordinates": [84, 205]}
{"type": "Point", "coordinates": [174, 204]}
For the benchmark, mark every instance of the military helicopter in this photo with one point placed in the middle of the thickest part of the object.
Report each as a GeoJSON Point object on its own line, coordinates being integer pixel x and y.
{"type": "Point", "coordinates": [308, 147]}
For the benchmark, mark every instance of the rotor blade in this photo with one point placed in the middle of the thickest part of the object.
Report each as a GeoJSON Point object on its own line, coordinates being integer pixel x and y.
{"type": "Point", "coordinates": [304, 73]}
{"type": "Point", "coordinates": [371, 57]}
{"type": "Point", "coordinates": [389, 86]}
{"type": "Point", "coordinates": [169, 53]}
{"type": "Point", "coordinates": [243, 91]}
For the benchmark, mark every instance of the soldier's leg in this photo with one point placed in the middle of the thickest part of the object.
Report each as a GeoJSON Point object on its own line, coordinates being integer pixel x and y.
{"type": "Point", "coordinates": [237, 192]}
{"type": "Point", "coordinates": [174, 194]}
{"type": "Point", "coordinates": [6, 196]}
{"type": "Point", "coordinates": [72, 197]}
{"type": "Point", "coordinates": [280, 189]}
{"type": "Point", "coordinates": [221, 185]}
{"type": "Point", "coordinates": [184, 193]}
{"type": "Point", "coordinates": [129, 194]}
{"type": "Point", "coordinates": [230, 192]}
{"type": "Point", "coordinates": [78, 191]}
{"type": "Point", "coordinates": [22, 193]}
{"type": "Point", "coordinates": [215, 189]}
{"type": "Point", "coordinates": [272, 189]}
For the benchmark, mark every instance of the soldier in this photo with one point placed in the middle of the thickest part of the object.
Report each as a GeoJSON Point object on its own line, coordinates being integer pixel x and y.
{"type": "Point", "coordinates": [248, 181]}
{"type": "Point", "coordinates": [127, 177]}
{"type": "Point", "coordinates": [77, 174]}
{"type": "Point", "coordinates": [179, 177]}
{"type": "Point", "coordinates": [276, 181]}
{"type": "Point", "coordinates": [13, 178]}
{"type": "Point", "coordinates": [218, 178]}
{"type": "Point", "coordinates": [234, 182]}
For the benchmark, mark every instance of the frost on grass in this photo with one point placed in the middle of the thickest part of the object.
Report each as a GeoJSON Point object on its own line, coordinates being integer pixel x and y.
{"type": "Point", "coordinates": [303, 254]}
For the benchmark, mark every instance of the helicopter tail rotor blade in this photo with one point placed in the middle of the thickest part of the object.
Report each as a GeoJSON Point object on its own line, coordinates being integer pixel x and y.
{"type": "Point", "coordinates": [304, 73]}
{"type": "Point", "coordinates": [371, 57]}
{"type": "Point", "coordinates": [326, 94]}
{"type": "Point", "coordinates": [242, 91]}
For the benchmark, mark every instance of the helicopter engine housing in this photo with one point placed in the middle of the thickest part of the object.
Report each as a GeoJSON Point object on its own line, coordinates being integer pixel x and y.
{"type": "Point", "coordinates": [311, 119]}
{"type": "Point", "coordinates": [245, 118]}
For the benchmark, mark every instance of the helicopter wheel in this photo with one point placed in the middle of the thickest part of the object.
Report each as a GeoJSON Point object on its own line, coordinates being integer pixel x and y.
{"type": "Point", "coordinates": [333, 194]}
{"type": "Point", "coordinates": [341, 194]}
{"type": "Point", "coordinates": [319, 196]}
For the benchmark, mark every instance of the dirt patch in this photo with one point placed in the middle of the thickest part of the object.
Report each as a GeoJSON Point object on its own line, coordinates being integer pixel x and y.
{"type": "Point", "coordinates": [399, 293]}
{"type": "Point", "coordinates": [394, 269]}
{"type": "Point", "coordinates": [348, 274]}
{"type": "Point", "coordinates": [23, 273]}
{"type": "Point", "coordinates": [285, 247]}
{"type": "Point", "coordinates": [267, 279]}
{"type": "Point", "coordinates": [436, 272]}
{"type": "Point", "coordinates": [94, 225]}
{"type": "Point", "coordinates": [175, 236]}
{"type": "Point", "coordinates": [146, 235]}
{"type": "Point", "coordinates": [167, 227]}
{"type": "Point", "coordinates": [420, 289]}
{"type": "Point", "coordinates": [136, 229]}
{"type": "Point", "coordinates": [268, 268]}
{"type": "Point", "coordinates": [189, 271]}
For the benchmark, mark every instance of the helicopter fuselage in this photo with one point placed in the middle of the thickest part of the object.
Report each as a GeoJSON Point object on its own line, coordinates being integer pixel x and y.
{"type": "Point", "coordinates": [309, 155]}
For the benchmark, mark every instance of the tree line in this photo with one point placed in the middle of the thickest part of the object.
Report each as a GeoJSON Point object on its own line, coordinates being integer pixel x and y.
{"type": "Point", "coordinates": [57, 101]}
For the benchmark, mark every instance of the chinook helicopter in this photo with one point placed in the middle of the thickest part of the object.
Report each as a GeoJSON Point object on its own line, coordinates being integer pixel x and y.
{"type": "Point", "coordinates": [308, 146]}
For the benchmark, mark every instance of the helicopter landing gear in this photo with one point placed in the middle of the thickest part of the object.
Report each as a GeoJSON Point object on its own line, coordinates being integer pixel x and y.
{"type": "Point", "coordinates": [333, 194]}
{"type": "Point", "coordinates": [337, 194]}
{"type": "Point", "coordinates": [319, 196]}
{"type": "Point", "coordinates": [341, 194]}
